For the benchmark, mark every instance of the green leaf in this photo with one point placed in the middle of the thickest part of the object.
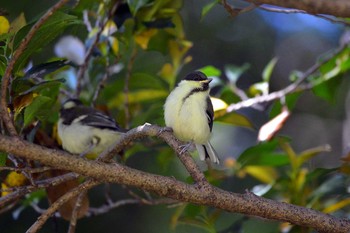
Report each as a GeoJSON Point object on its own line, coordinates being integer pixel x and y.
{"type": "Point", "coordinates": [210, 71]}
{"type": "Point", "coordinates": [235, 118]}
{"type": "Point", "coordinates": [160, 42]}
{"type": "Point", "coordinates": [35, 195]}
{"type": "Point", "coordinates": [145, 81]}
{"type": "Point", "coordinates": [290, 101]}
{"type": "Point", "coordinates": [39, 108]}
{"type": "Point", "coordinates": [328, 90]}
{"type": "Point", "coordinates": [42, 85]}
{"type": "Point", "coordinates": [268, 69]}
{"type": "Point", "coordinates": [208, 7]}
{"type": "Point", "coordinates": [3, 158]}
{"type": "Point", "coordinates": [234, 72]}
{"type": "Point", "coordinates": [135, 5]}
{"type": "Point", "coordinates": [52, 28]}
{"type": "Point", "coordinates": [310, 153]}
{"type": "Point", "coordinates": [263, 154]}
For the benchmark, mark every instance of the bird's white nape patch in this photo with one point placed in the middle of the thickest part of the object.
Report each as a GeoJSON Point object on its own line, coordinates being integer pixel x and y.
{"type": "Point", "coordinates": [69, 104]}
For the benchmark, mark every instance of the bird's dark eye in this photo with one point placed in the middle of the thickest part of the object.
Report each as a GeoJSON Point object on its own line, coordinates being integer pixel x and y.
{"type": "Point", "coordinates": [196, 76]}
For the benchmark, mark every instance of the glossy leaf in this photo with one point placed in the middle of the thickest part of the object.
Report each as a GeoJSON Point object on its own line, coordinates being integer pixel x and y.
{"type": "Point", "coordinates": [310, 153]}
{"type": "Point", "coordinates": [39, 108]}
{"type": "Point", "coordinates": [269, 129]}
{"type": "Point", "coordinates": [265, 174]}
{"type": "Point", "coordinates": [210, 71]}
{"type": "Point", "coordinates": [290, 101]}
{"type": "Point", "coordinates": [234, 118]}
{"type": "Point", "coordinates": [263, 154]}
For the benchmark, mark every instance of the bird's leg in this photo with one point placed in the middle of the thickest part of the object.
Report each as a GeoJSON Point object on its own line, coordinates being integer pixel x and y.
{"type": "Point", "coordinates": [186, 147]}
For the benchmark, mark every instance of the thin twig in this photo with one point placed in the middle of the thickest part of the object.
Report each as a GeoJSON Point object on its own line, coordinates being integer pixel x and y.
{"type": "Point", "coordinates": [75, 213]}
{"type": "Point", "coordinates": [293, 11]}
{"type": "Point", "coordinates": [27, 169]}
{"type": "Point", "coordinates": [294, 87]}
{"type": "Point", "coordinates": [58, 203]}
{"type": "Point", "coordinates": [5, 115]}
{"type": "Point", "coordinates": [18, 192]}
{"type": "Point", "coordinates": [106, 208]}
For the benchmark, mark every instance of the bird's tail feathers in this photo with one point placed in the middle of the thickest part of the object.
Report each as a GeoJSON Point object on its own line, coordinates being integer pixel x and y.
{"type": "Point", "coordinates": [207, 151]}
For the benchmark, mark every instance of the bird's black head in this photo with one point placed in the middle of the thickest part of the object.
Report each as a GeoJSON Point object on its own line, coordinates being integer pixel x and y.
{"type": "Point", "coordinates": [196, 76]}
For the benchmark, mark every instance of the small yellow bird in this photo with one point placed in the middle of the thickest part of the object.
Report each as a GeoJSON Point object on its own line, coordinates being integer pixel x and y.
{"type": "Point", "coordinates": [188, 110]}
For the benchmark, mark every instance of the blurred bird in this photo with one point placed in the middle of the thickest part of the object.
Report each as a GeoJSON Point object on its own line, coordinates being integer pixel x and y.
{"type": "Point", "coordinates": [86, 131]}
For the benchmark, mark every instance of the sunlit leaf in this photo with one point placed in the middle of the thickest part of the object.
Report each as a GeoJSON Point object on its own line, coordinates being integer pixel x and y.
{"type": "Point", "coordinates": [268, 69]}
{"type": "Point", "coordinates": [218, 104]}
{"type": "Point", "coordinates": [310, 153]}
{"type": "Point", "coordinates": [234, 118]}
{"type": "Point", "coordinates": [265, 174]}
{"type": "Point", "coordinates": [269, 129]}
{"type": "Point", "coordinates": [210, 71]}
{"type": "Point", "coordinates": [144, 37]}
{"type": "Point", "coordinates": [167, 72]}
{"type": "Point", "coordinates": [206, 8]}
{"type": "Point", "coordinates": [22, 101]}
{"type": "Point", "coordinates": [260, 88]}
{"type": "Point", "coordinates": [337, 206]}
{"type": "Point", "coordinates": [18, 23]}
{"type": "Point", "coordinates": [300, 179]}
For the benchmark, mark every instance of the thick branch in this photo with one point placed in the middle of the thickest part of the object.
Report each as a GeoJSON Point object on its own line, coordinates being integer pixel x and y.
{"type": "Point", "coordinates": [338, 8]}
{"type": "Point", "coordinates": [248, 204]}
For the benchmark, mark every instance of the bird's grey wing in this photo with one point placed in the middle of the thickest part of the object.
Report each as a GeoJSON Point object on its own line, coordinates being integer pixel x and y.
{"type": "Point", "coordinates": [210, 113]}
{"type": "Point", "coordinates": [99, 120]}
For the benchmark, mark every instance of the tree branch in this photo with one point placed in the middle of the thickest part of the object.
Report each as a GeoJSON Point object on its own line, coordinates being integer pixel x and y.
{"type": "Point", "coordinates": [338, 8]}
{"type": "Point", "coordinates": [248, 203]}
